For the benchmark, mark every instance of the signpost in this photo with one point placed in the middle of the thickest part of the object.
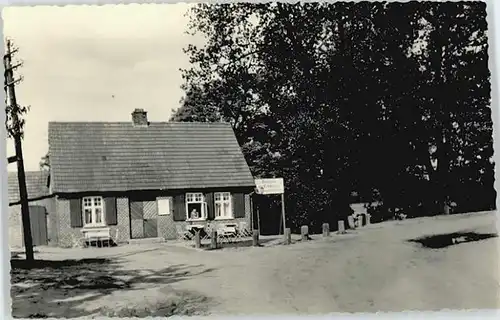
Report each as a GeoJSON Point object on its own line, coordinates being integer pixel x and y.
{"type": "Point", "coordinates": [272, 186]}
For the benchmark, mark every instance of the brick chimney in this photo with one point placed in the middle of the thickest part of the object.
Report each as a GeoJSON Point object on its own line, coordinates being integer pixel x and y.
{"type": "Point", "coordinates": [140, 118]}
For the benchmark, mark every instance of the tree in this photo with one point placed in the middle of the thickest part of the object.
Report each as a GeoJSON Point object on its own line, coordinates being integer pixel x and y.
{"type": "Point", "coordinates": [455, 95]}
{"type": "Point", "coordinates": [45, 162]}
{"type": "Point", "coordinates": [344, 102]}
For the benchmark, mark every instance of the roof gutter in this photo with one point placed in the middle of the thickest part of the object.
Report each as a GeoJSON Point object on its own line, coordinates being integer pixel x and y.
{"type": "Point", "coordinates": [31, 200]}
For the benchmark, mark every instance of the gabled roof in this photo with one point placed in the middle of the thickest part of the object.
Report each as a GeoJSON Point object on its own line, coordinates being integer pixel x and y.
{"type": "Point", "coordinates": [36, 185]}
{"type": "Point", "coordinates": [103, 156]}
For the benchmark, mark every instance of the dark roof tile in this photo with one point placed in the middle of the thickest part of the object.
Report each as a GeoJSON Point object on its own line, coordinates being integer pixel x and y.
{"type": "Point", "coordinates": [101, 156]}
{"type": "Point", "coordinates": [36, 185]}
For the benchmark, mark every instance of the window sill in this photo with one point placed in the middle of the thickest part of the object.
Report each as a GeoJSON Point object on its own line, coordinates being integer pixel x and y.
{"type": "Point", "coordinates": [196, 220]}
{"type": "Point", "coordinates": [223, 218]}
{"type": "Point", "coordinates": [94, 226]}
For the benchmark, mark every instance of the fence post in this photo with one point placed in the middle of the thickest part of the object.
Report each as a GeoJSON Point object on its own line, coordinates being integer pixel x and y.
{"type": "Point", "coordinates": [255, 238]}
{"type": "Point", "coordinates": [197, 240]}
{"type": "Point", "coordinates": [304, 233]}
{"type": "Point", "coordinates": [341, 227]}
{"type": "Point", "coordinates": [326, 230]}
{"type": "Point", "coordinates": [288, 236]}
{"type": "Point", "coordinates": [350, 222]}
{"type": "Point", "coordinates": [359, 220]}
{"type": "Point", "coordinates": [213, 240]}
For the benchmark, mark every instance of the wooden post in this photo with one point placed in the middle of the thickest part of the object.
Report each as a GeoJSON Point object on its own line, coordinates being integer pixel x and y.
{"type": "Point", "coordinates": [255, 238]}
{"type": "Point", "coordinates": [213, 240]}
{"type": "Point", "coordinates": [283, 210]}
{"type": "Point", "coordinates": [446, 209]}
{"type": "Point", "coordinates": [197, 239]}
{"type": "Point", "coordinates": [23, 193]}
{"type": "Point", "coordinates": [250, 202]}
{"type": "Point", "coordinates": [350, 222]}
{"type": "Point", "coordinates": [258, 219]}
{"type": "Point", "coordinates": [359, 220]}
{"type": "Point", "coordinates": [304, 233]}
{"type": "Point", "coordinates": [326, 230]}
{"type": "Point", "coordinates": [341, 227]}
{"type": "Point", "coordinates": [288, 236]}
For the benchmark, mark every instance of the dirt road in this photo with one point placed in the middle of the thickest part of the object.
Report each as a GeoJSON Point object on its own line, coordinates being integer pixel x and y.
{"type": "Point", "coordinates": [372, 269]}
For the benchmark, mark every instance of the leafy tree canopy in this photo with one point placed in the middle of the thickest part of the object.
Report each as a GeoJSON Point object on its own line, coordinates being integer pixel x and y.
{"type": "Point", "coordinates": [341, 97]}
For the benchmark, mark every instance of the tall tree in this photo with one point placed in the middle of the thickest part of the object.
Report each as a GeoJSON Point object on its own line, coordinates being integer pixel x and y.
{"type": "Point", "coordinates": [336, 97]}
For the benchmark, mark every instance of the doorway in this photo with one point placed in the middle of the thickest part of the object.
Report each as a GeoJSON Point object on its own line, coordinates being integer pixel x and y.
{"type": "Point", "coordinates": [143, 218]}
{"type": "Point", "coordinates": [38, 223]}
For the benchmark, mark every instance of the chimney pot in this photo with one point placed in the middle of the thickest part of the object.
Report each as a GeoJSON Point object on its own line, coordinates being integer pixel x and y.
{"type": "Point", "coordinates": [140, 118]}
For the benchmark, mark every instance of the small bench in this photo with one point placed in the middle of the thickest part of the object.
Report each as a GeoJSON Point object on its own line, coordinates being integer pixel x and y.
{"type": "Point", "coordinates": [99, 235]}
{"type": "Point", "coordinates": [228, 230]}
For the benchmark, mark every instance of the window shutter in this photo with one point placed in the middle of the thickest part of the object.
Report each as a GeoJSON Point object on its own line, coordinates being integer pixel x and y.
{"type": "Point", "coordinates": [238, 205]}
{"type": "Point", "coordinates": [179, 208]}
{"type": "Point", "coordinates": [110, 211]}
{"type": "Point", "coordinates": [209, 198]}
{"type": "Point", "coordinates": [75, 212]}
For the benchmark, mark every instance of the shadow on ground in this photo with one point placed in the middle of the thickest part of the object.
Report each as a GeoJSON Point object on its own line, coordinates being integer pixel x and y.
{"type": "Point", "coordinates": [59, 288]}
{"type": "Point", "coordinates": [235, 244]}
{"type": "Point", "coordinates": [445, 240]}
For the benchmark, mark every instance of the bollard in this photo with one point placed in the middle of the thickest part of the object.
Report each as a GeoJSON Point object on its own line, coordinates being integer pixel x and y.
{"type": "Point", "coordinates": [255, 238]}
{"type": "Point", "coordinates": [326, 230]}
{"type": "Point", "coordinates": [288, 236]}
{"type": "Point", "coordinates": [368, 217]}
{"type": "Point", "coordinates": [350, 222]}
{"type": "Point", "coordinates": [213, 240]}
{"type": "Point", "coordinates": [341, 227]}
{"type": "Point", "coordinates": [359, 221]}
{"type": "Point", "coordinates": [197, 239]}
{"type": "Point", "coordinates": [304, 233]}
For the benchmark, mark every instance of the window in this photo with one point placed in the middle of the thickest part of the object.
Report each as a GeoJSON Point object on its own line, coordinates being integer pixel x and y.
{"type": "Point", "coordinates": [223, 207]}
{"type": "Point", "coordinates": [196, 206]}
{"type": "Point", "coordinates": [93, 211]}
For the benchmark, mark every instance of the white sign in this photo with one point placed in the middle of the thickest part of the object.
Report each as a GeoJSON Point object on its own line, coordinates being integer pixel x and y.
{"type": "Point", "coordinates": [270, 186]}
{"type": "Point", "coordinates": [163, 206]}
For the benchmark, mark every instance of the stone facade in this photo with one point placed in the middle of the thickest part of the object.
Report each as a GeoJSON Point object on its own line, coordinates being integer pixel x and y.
{"type": "Point", "coordinates": [168, 229]}
{"type": "Point", "coordinates": [15, 227]}
{"type": "Point", "coordinates": [72, 237]}
{"type": "Point", "coordinates": [171, 230]}
{"type": "Point", "coordinates": [123, 220]}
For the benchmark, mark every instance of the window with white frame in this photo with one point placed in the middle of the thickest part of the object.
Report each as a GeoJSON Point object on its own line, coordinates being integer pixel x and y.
{"type": "Point", "coordinates": [93, 211]}
{"type": "Point", "coordinates": [196, 206]}
{"type": "Point", "coordinates": [223, 205]}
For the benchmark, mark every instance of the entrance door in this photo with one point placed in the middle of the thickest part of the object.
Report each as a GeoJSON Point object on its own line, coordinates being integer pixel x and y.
{"type": "Point", "coordinates": [38, 222]}
{"type": "Point", "coordinates": [143, 219]}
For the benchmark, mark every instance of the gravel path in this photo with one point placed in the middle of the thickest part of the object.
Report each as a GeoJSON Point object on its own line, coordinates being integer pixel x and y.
{"type": "Point", "coordinates": [371, 269]}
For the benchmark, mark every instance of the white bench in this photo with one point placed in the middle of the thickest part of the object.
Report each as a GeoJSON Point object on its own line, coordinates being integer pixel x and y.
{"type": "Point", "coordinates": [227, 230]}
{"type": "Point", "coordinates": [99, 234]}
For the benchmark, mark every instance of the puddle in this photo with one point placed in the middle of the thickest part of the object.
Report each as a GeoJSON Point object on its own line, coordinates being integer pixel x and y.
{"type": "Point", "coordinates": [445, 240]}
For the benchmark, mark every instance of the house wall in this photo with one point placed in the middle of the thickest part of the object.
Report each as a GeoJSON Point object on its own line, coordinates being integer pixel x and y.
{"type": "Point", "coordinates": [16, 224]}
{"type": "Point", "coordinates": [15, 227]}
{"type": "Point", "coordinates": [168, 229]}
{"type": "Point", "coordinates": [171, 230]}
{"type": "Point", "coordinates": [71, 237]}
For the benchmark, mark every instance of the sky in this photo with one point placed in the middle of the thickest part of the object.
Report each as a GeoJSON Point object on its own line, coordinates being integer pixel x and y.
{"type": "Point", "coordinates": [95, 63]}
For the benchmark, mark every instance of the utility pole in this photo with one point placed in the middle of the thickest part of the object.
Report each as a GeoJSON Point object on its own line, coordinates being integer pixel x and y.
{"type": "Point", "coordinates": [10, 84]}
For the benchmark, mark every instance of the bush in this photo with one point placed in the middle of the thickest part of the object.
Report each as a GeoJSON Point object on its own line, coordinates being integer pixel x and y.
{"type": "Point", "coordinates": [379, 213]}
